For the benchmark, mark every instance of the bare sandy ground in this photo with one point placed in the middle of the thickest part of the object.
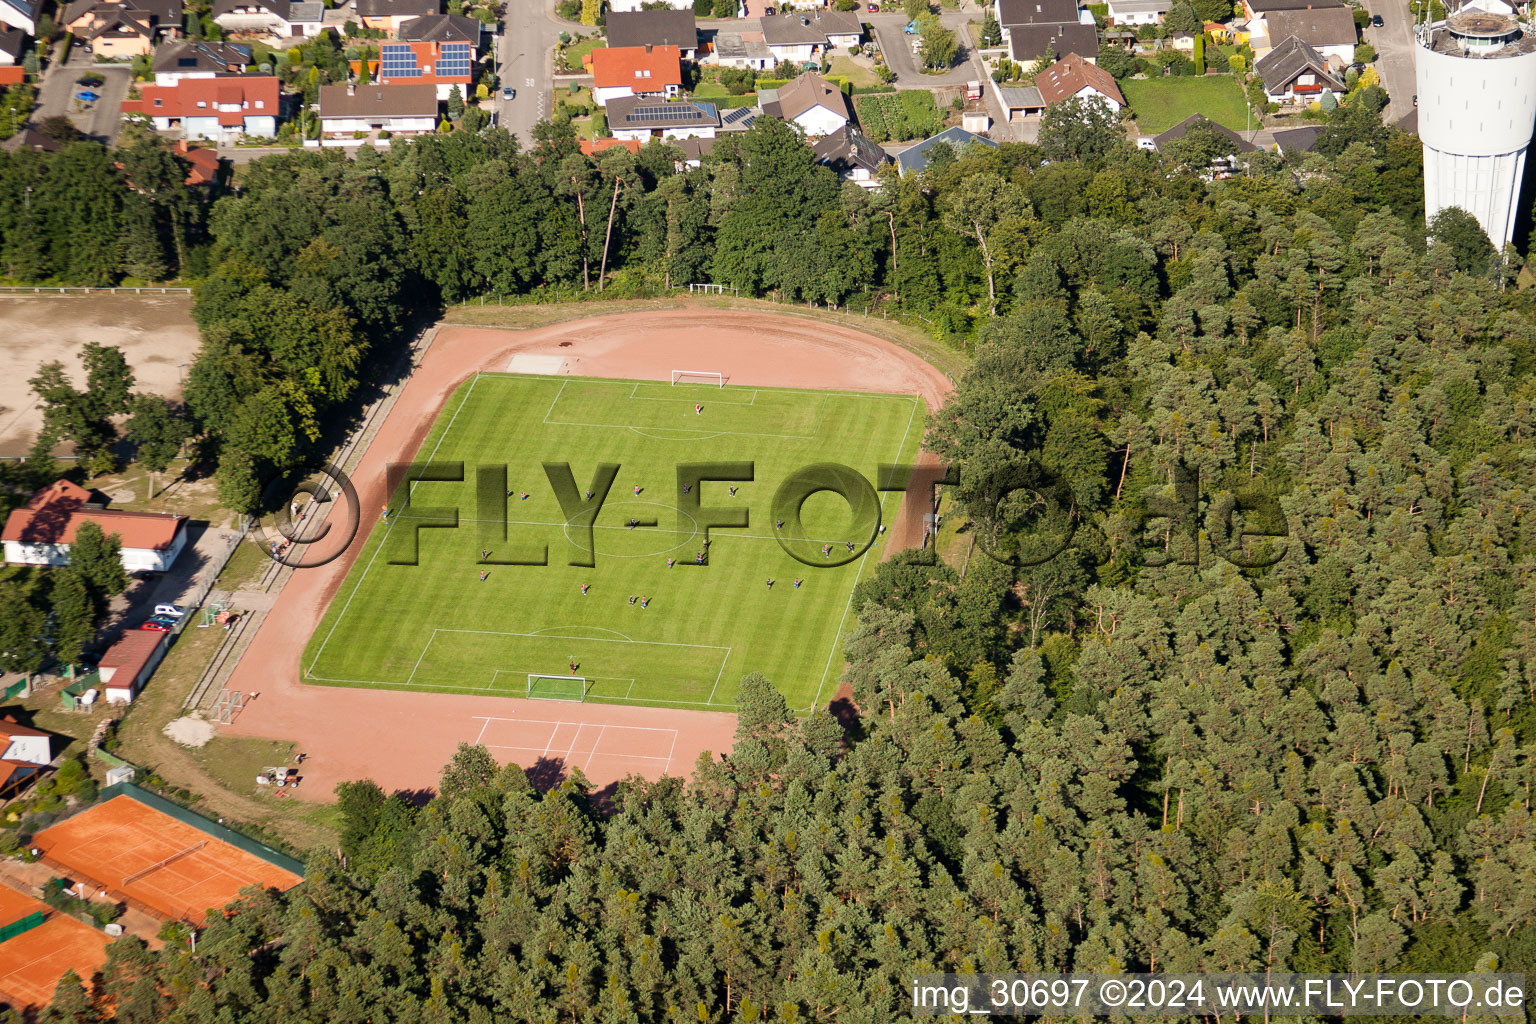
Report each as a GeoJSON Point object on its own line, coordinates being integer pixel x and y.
{"type": "Point", "coordinates": [155, 332]}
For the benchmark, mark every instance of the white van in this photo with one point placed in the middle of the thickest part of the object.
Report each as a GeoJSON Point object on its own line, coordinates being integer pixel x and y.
{"type": "Point", "coordinates": [174, 611]}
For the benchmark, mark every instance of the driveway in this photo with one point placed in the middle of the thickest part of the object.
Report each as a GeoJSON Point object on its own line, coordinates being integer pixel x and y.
{"type": "Point", "coordinates": [101, 119]}
{"type": "Point", "coordinates": [524, 61]}
{"type": "Point", "coordinates": [897, 47]}
{"type": "Point", "coordinates": [1395, 55]}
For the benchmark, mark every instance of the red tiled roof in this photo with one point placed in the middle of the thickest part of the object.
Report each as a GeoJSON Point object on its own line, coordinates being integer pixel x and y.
{"type": "Point", "coordinates": [1070, 75]}
{"type": "Point", "coordinates": [125, 659]}
{"type": "Point", "coordinates": [252, 95]}
{"type": "Point", "coordinates": [53, 514]}
{"type": "Point", "coordinates": [12, 74]}
{"type": "Point", "coordinates": [646, 68]}
{"type": "Point", "coordinates": [591, 146]}
{"type": "Point", "coordinates": [11, 728]}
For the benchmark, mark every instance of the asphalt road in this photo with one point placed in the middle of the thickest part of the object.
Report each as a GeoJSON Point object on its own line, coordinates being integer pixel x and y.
{"type": "Point", "coordinates": [897, 47]}
{"type": "Point", "coordinates": [1395, 55]}
{"type": "Point", "coordinates": [101, 119]}
{"type": "Point", "coordinates": [524, 61]}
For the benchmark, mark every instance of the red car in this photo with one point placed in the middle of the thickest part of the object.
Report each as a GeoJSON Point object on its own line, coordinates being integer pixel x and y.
{"type": "Point", "coordinates": [157, 626]}
{"type": "Point", "coordinates": [874, 8]}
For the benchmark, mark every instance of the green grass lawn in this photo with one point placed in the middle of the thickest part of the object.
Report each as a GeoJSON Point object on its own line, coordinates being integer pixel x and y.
{"type": "Point", "coordinates": [436, 625]}
{"type": "Point", "coordinates": [1161, 103]}
{"type": "Point", "coordinates": [579, 48]}
{"type": "Point", "coordinates": [857, 74]}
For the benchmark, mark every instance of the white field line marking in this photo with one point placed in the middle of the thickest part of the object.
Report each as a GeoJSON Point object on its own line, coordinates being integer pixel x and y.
{"type": "Point", "coordinates": [423, 655]}
{"type": "Point", "coordinates": [383, 541]}
{"type": "Point", "coordinates": [481, 734]}
{"type": "Point", "coordinates": [564, 379]}
{"type": "Point", "coordinates": [838, 636]}
{"type": "Point", "coordinates": [545, 721]}
{"type": "Point", "coordinates": [718, 676]}
{"type": "Point", "coordinates": [552, 734]}
{"type": "Point", "coordinates": [672, 750]}
{"type": "Point", "coordinates": [574, 740]}
{"type": "Point", "coordinates": [590, 639]}
{"type": "Point", "coordinates": [555, 402]}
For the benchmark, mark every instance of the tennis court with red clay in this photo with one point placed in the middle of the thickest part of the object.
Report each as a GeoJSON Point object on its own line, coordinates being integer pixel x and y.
{"type": "Point", "coordinates": [32, 963]}
{"type": "Point", "coordinates": [144, 855]}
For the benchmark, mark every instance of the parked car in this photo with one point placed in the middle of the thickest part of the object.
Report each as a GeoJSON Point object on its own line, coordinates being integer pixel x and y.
{"type": "Point", "coordinates": [1376, 21]}
{"type": "Point", "coordinates": [146, 574]}
{"type": "Point", "coordinates": [509, 93]}
{"type": "Point", "coordinates": [169, 611]}
{"type": "Point", "coordinates": [158, 625]}
{"type": "Point", "coordinates": [911, 28]}
{"type": "Point", "coordinates": [1415, 99]}
{"type": "Point", "coordinates": [1357, 67]}
{"type": "Point", "coordinates": [874, 8]}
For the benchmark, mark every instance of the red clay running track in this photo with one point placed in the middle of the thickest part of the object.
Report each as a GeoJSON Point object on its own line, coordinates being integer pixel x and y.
{"type": "Point", "coordinates": [401, 740]}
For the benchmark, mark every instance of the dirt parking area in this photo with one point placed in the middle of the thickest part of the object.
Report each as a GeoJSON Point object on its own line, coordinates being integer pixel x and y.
{"type": "Point", "coordinates": [155, 332]}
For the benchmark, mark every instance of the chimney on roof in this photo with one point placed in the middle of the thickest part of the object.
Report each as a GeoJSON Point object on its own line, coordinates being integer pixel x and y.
{"type": "Point", "coordinates": [647, 47]}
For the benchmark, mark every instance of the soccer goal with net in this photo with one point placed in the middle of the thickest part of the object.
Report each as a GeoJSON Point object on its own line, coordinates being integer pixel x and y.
{"type": "Point", "coordinates": [698, 377]}
{"type": "Point", "coordinates": [541, 687]}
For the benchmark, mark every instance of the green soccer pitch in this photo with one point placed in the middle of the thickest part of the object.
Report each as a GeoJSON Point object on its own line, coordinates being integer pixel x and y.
{"type": "Point", "coordinates": [436, 625]}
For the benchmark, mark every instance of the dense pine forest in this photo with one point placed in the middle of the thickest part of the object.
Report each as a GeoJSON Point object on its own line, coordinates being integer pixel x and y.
{"type": "Point", "coordinates": [1157, 745]}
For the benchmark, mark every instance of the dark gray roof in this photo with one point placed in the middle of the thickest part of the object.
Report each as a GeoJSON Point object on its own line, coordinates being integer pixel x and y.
{"type": "Point", "coordinates": [1280, 66]}
{"type": "Point", "coordinates": [1263, 6]}
{"type": "Point", "coordinates": [397, 8]}
{"type": "Point", "coordinates": [1178, 131]}
{"type": "Point", "coordinates": [794, 27]}
{"type": "Point", "coordinates": [440, 28]}
{"type": "Point", "coordinates": [307, 11]}
{"type": "Point", "coordinates": [847, 149]}
{"type": "Point", "coordinates": [916, 158]}
{"type": "Point", "coordinates": [694, 149]}
{"type": "Point", "coordinates": [1036, 12]}
{"type": "Point", "coordinates": [13, 42]}
{"type": "Point", "coordinates": [1029, 42]}
{"type": "Point", "coordinates": [1327, 26]}
{"type": "Point", "coordinates": [29, 138]}
{"type": "Point", "coordinates": [632, 112]}
{"type": "Point", "coordinates": [1298, 140]}
{"type": "Point", "coordinates": [199, 55]}
{"type": "Point", "coordinates": [28, 9]}
{"type": "Point", "coordinates": [659, 28]}
{"type": "Point", "coordinates": [738, 119]}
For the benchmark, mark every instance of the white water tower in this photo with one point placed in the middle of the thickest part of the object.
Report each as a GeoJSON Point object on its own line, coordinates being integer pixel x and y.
{"type": "Point", "coordinates": [1477, 111]}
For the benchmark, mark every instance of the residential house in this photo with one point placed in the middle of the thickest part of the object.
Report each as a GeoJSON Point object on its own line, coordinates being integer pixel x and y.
{"type": "Point", "coordinates": [1217, 31]}
{"type": "Point", "coordinates": [41, 531]}
{"type": "Point", "coordinates": [273, 20]}
{"type": "Point", "coordinates": [198, 58]}
{"type": "Point", "coordinates": [742, 50]}
{"type": "Point", "coordinates": [814, 104]}
{"type": "Point", "coordinates": [222, 109]}
{"type": "Point", "coordinates": [389, 15]}
{"type": "Point", "coordinates": [1254, 10]}
{"type": "Point", "coordinates": [1222, 166]}
{"type": "Point", "coordinates": [440, 65]}
{"type": "Point", "coordinates": [1011, 13]}
{"type": "Point", "coordinates": [122, 28]}
{"type": "Point", "coordinates": [19, 14]}
{"type": "Point", "coordinates": [694, 152]}
{"type": "Point", "coordinates": [1019, 101]}
{"type": "Point", "coordinates": [915, 159]}
{"type": "Point", "coordinates": [852, 155]}
{"type": "Point", "coordinates": [1329, 30]}
{"type": "Point", "coordinates": [623, 6]}
{"type": "Point", "coordinates": [1073, 77]}
{"type": "Point", "coordinates": [739, 119]}
{"type": "Point", "coordinates": [635, 71]}
{"type": "Point", "coordinates": [1297, 140]}
{"type": "Point", "coordinates": [121, 33]}
{"type": "Point", "coordinates": [13, 46]}
{"type": "Point", "coordinates": [655, 28]}
{"type": "Point", "coordinates": [31, 138]}
{"type": "Point", "coordinates": [1028, 43]}
{"type": "Point", "coordinates": [805, 36]}
{"type": "Point", "coordinates": [635, 117]}
{"type": "Point", "coordinates": [203, 165]}
{"type": "Point", "coordinates": [397, 109]}
{"type": "Point", "coordinates": [26, 753]}
{"type": "Point", "coordinates": [592, 147]}
{"type": "Point", "coordinates": [1137, 12]}
{"type": "Point", "coordinates": [441, 28]}
{"type": "Point", "coordinates": [1295, 72]}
